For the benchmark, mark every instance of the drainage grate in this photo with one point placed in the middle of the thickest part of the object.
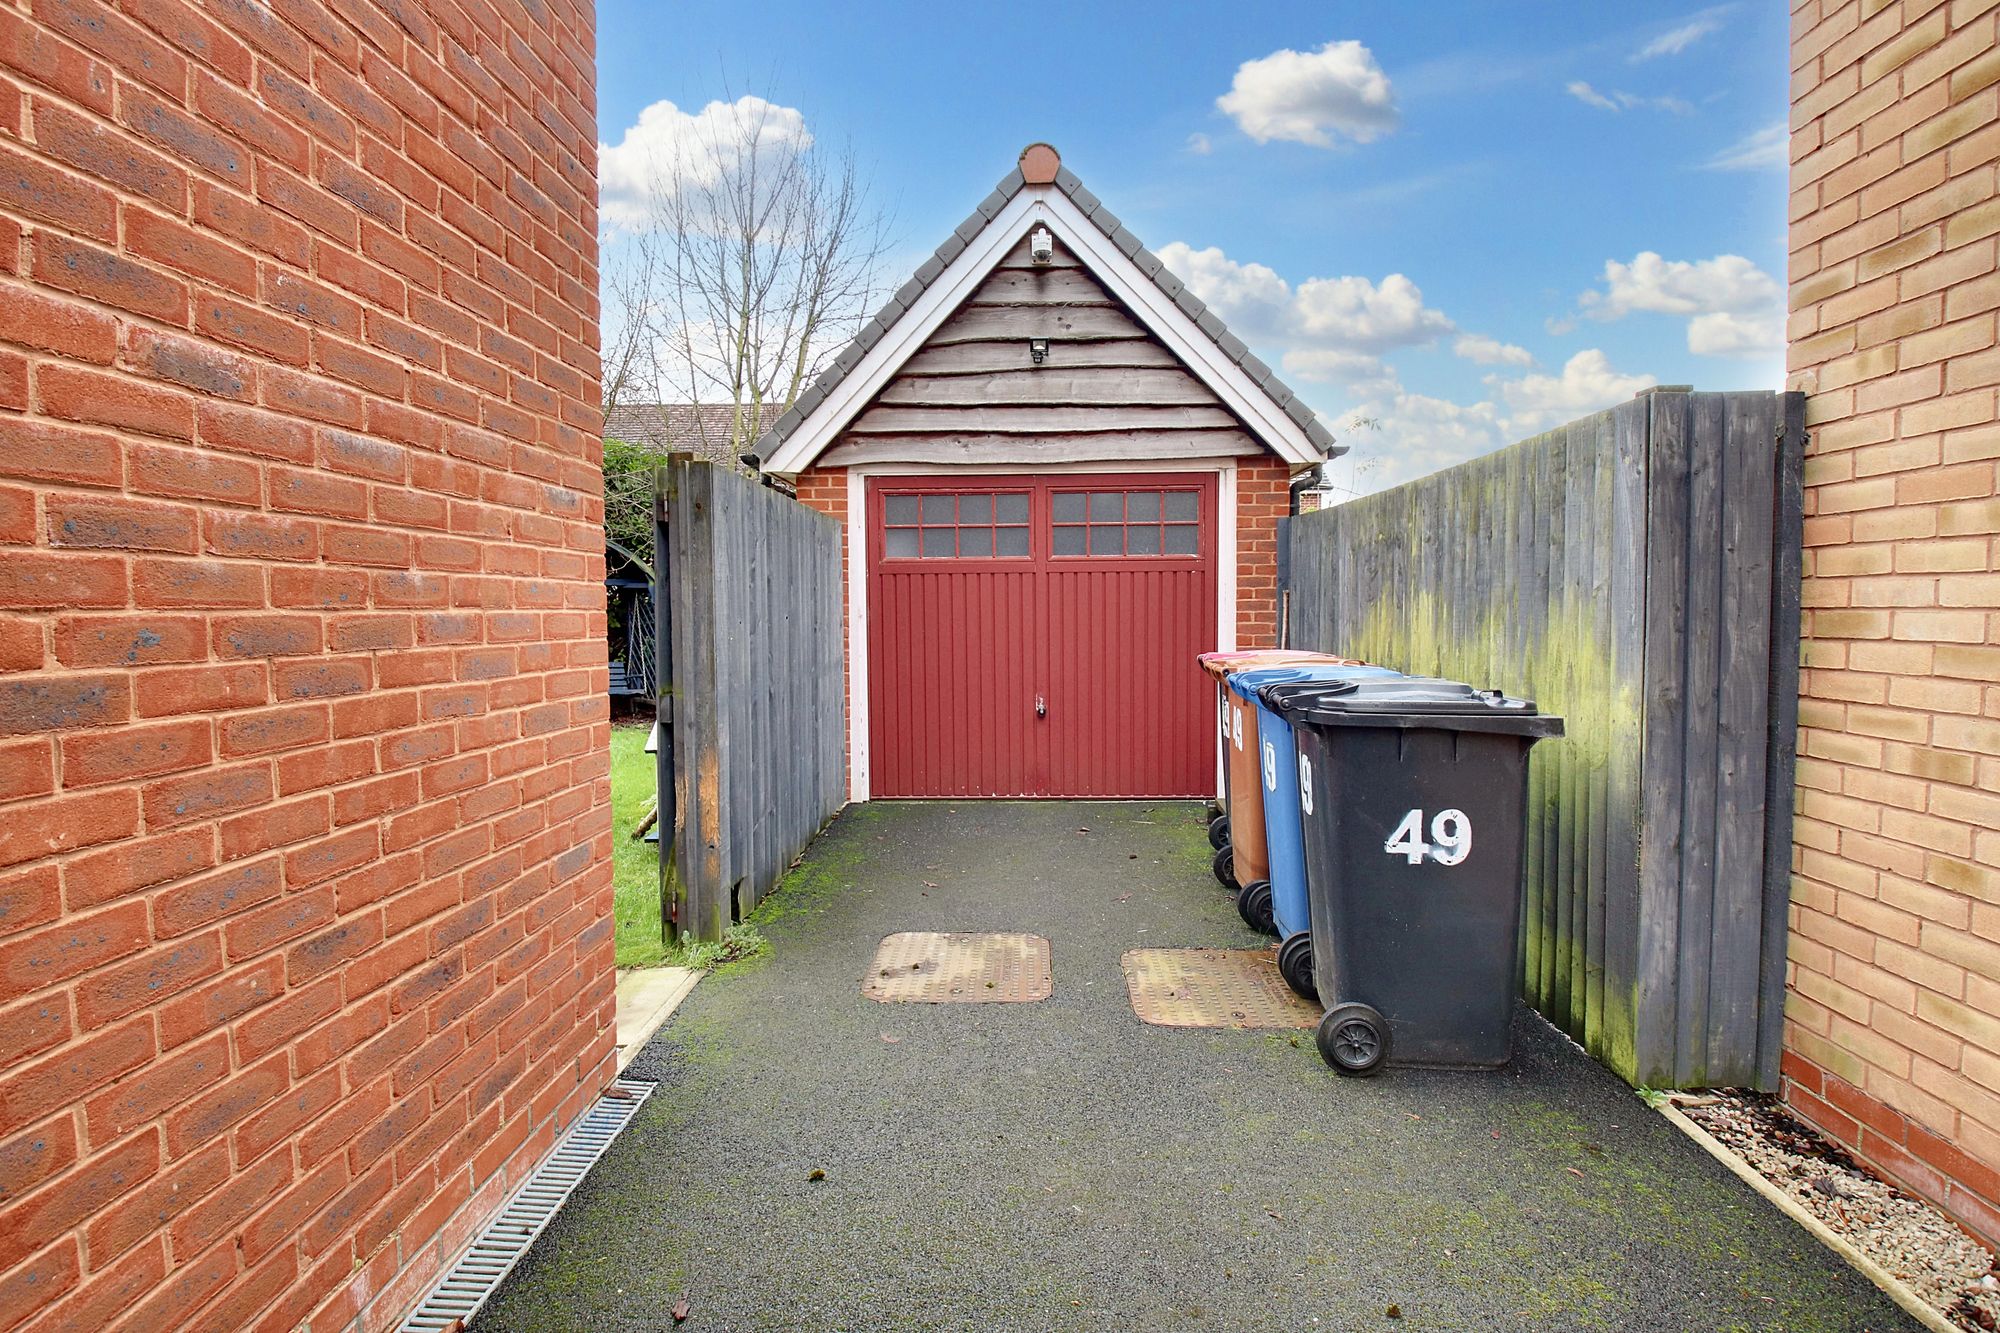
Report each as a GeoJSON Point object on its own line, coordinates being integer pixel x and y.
{"type": "Point", "coordinates": [467, 1284]}
{"type": "Point", "coordinates": [1213, 988]}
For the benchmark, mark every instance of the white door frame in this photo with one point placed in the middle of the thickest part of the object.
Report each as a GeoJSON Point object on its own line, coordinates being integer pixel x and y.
{"type": "Point", "coordinates": [858, 477]}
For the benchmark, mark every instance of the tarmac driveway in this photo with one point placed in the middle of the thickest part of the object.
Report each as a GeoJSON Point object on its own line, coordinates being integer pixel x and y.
{"type": "Point", "coordinates": [1060, 1165]}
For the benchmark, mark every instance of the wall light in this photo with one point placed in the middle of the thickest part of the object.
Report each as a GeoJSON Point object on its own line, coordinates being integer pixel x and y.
{"type": "Point", "coordinates": [1038, 348]}
{"type": "Point", "coordinates": [1041, 246]}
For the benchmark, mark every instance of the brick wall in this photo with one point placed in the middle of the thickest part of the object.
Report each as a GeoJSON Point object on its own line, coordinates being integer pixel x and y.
{"type": "Point", "coordinates": [1263, 496]}
{"type": "Point", "coordinates": [1893, 1020]}
{"type": "Point", "coordinates": [305, 947]}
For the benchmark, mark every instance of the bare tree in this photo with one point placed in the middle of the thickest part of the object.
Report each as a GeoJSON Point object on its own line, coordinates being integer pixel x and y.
{"type": "Point", "coordinates": [759, 257]}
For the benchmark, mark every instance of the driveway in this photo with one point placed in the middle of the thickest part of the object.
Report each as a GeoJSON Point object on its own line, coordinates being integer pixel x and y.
{"type": "Point", "coordinates": [1060, 1165]}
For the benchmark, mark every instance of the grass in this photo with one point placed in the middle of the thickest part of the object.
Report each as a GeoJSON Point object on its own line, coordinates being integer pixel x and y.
{"type": "Point", "coordinates": [635, 872]}
{"type": "Point", "coordinates": [635, 866]}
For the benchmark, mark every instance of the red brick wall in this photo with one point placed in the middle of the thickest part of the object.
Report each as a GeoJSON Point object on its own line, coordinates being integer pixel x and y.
{"type": "Point", "coordinates": [305, 927]}
{"type": "Point", "coordinates": [1893, 1019]}
{"type": "Point", "coordinates": [1262, 498]}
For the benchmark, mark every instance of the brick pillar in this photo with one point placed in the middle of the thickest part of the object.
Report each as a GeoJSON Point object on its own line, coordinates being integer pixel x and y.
{"type": "Point", "coordinates": [1262, 498]}
{"type": "Point", "coordinates": [305, 894]}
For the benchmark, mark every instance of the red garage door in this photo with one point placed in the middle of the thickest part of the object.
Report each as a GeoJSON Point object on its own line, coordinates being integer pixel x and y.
{"type": "Point", "coordinates": [1036, 636]}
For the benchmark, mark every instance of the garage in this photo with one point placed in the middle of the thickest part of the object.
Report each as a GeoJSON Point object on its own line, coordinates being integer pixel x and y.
{"type": "Point", "coordinates": [1036, 636]}
{"type": "Point", "coordinates": [1060, 478]}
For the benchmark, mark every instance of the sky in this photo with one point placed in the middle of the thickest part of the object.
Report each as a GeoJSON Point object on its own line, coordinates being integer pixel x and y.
{"type": "Point", "coordinates": [1450, 225]}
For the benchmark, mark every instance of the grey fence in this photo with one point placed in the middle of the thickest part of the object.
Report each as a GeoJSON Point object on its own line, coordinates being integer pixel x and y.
{"type": "Point", "coordinates": [752, 758]}
{"type": "Point", "coordinates": [1637, 572]}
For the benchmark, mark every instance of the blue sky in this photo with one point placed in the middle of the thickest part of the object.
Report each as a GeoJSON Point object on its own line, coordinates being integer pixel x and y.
{"type": "Point", "coordinates": [1460, 222]}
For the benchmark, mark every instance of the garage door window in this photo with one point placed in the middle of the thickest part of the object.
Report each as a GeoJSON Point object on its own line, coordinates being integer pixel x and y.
{"type": "Point", "coordinates": [1125, 522]}
{"type": "Point", "coordinates": [943, 525]}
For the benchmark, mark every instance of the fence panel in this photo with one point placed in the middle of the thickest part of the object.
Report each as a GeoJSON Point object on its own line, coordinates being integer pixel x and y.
{"type": "Point", "coordinates": [1637, 573]}
{"type": "Point", "coordinates": [752, 700]}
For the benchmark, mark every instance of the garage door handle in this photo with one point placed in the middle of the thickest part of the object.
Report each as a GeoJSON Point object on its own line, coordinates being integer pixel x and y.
{"type": "Point", "coordinates": [1041, 706]}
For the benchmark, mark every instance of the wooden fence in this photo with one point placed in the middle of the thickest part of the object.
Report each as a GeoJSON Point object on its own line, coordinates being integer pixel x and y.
{"type": "Point", "coordinates": [1638, 573]}
{"type": "Point", "coordinates": [752, 761]}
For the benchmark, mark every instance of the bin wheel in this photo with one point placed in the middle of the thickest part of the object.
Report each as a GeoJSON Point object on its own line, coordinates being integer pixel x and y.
{"type": "Point", "coordinates": [1218, 831]}
{"type": "Point", "coordinates": [1295, 965]}
{"type": "Point", "coordinates": [1354, 1039]}
{"type": "Point", "coordinates": [1224, 866]}
{"type": "Point", "coordinates": [1253, 904]}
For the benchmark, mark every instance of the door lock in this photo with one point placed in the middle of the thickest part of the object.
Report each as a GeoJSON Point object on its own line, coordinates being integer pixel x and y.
{"type": "Point", "coordinates": [1041, 706]}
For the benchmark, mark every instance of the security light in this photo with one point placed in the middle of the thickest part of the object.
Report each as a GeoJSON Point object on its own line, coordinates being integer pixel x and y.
{"type": "Point", "coordinates": [1038, 348]}
{"type": "Point", "coordinates": [1041, 246]}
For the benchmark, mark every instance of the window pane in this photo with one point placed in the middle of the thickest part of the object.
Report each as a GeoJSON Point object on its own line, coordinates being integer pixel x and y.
{"type": "Point", "coordinates": [1107, 541]}
{"type": "Point", "coordinates": [1068, 541]}
{"type": "Point", "coordinates": [975, 541]}
{"type": "Point", "coordinates": [1010, 508]}
{"type": "Point", "coordinates": [1182, 505]}
{"type": "Point", "coordinates": [1142, 506]}
{"type": "Point", "coordinates": [901, 508]}
{"type": "Point", "coordinates": [1068, 507]}
{"type": "Point", "coordinates": [937, 508]}
{"type": "Point", "coordinates": [1014, 541]}
{"type": "Point", "coordinates": [1182, 539]}
{"type": "Point", "coordinates": [975, 509]}
{"type": "Point", "coordinates": [899, 541]}
{"type": "Point", "coordinates": [1107, 506]}
{"type": "Point", "coordinates": [1142, 540]}
{"type": "Point", "coordinates": [938, 541]}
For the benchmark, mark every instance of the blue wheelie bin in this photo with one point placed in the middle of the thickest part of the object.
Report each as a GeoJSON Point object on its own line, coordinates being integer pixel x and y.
{"type": "Point", "coordinates": [1281, 906]}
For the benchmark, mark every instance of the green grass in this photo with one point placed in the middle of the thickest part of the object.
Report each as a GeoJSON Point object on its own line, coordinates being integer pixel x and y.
{"type": "Point", "coordinates": [635, 866]}
{"type": "Point", "coordinates": [635, 872]}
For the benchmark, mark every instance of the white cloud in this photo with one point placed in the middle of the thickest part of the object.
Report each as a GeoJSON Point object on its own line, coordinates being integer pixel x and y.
{"type": "Point", "coordinates": [1587, 383]}
{"type": "Point", "coordinates": [1589, 96]}
{"type": "Point", "coordinates": [1312, 97]}
{"type": "Point", "coordinates": [1676, 40]}
{"type": "Point", "coordinates": [1759, 150]}
{"type": "Point", "coordinates": [1401, 436]}
{"type": "Point", "coordinates": [1733, 308]}
{"type": "Point", "coordinates": [1199, 145]}
{"type": "Point", "coordinates": [698, 145]}
{"type": "Point", "coordinates": [1485, 350]}
{"type": "Point", "coordinates": [1326, 330]}
{"type": "Point", "coordinates": [1621, 101]}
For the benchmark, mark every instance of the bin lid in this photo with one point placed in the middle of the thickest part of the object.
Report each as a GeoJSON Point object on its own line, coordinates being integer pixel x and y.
{"type": "Point", "coordinates": [1244, 684]}
{"type": "Point", "coordinates": [1219, 665]}
{"type": "Point", "coordinates": [1407, 702]}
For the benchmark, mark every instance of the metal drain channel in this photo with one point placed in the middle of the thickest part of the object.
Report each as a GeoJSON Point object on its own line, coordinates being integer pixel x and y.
{"type": "Point", "coordinates": [467, 1284]}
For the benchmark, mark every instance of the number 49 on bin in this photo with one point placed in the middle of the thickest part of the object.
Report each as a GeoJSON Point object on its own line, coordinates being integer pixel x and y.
{"type": "Point", "coordinates": [1451, 838]}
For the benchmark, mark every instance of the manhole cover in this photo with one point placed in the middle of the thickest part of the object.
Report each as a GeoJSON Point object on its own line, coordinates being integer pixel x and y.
{"type": "Point", "coordinates": [1213, 988]}
{"type": "Point", "coordinates": [924, 967]}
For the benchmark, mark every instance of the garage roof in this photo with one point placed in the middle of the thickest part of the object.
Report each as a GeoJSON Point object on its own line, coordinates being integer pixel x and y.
{"type": "Point", "coordinates": [1040, 190]}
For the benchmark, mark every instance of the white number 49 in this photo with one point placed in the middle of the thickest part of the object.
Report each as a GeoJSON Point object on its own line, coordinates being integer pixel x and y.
{"type": "Point", "coordinates": [1451, 838]}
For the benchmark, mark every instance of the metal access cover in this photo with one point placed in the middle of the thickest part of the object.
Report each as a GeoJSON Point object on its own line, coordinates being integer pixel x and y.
{"type": "Point", "coordinates": [1213, 988]}
{"type": "Point", "coordinates": [925, 967]}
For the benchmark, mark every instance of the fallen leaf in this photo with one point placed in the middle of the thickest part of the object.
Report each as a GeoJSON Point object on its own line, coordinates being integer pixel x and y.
{"type": "Point", "coordinates": [1496, 1133]}
{"type": "Point", "coordinates": [890, 1037]}
{"type": "Point", "coordinates": [1573, 1171]}
{"type": "Point", "coordinates": [1394, 1312]}
{"type": "Point", "coordinates": [1131, 856]}
{"type": "Point", "coordinates": [680, 1312]}
{"type": "Point", "coordinates": [930, 884]}
{"type": "Point", "coordinates": [815, 1174]}
{"type": "Point", "coordinates": [1273, 1214]}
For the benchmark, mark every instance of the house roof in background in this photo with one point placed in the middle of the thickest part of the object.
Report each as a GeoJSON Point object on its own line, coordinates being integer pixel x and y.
{"type": "Point", "coordinates": [1041, 171]}
{"type": "Point", "coordinates": [701, 429]}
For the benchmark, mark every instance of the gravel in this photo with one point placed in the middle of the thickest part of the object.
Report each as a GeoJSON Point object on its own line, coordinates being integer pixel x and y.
{"type": "Point", "coordinates": [1906, 1235]}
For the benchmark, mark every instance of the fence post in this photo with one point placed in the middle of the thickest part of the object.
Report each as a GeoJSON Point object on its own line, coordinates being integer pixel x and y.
{"type": "Point", "coordinates": [668, 819]}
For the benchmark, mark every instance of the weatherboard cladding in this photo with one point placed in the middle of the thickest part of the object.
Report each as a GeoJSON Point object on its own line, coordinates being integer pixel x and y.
{"type": "Point", "coordinates": [1128, 244]}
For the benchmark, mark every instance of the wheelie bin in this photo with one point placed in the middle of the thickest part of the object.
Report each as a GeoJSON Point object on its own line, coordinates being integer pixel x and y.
{"type": "Point", "coordinates": [1219, 665]}
{"type": "Point", "coordinates": [1278, 905]}
{"type": "Point", "coordinates": [1413, 799]}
